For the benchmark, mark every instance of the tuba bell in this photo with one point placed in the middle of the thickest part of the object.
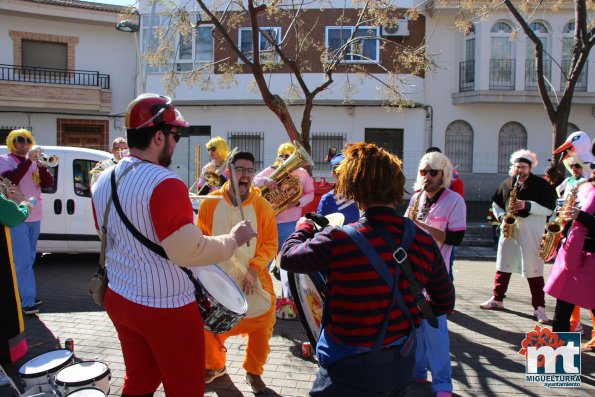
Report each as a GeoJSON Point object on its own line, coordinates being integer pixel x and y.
{"type": "Point", "coordinates": [288, 187]}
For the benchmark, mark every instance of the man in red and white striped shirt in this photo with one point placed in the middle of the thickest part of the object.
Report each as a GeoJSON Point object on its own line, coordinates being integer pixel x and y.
{"type": "Point", "coordinates": [149, 299]}
{"type": "Point", "coordinates": [358, 298]}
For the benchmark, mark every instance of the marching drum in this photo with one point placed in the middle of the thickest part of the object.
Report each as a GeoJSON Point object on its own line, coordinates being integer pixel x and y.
{"type": "Point", "coordinates": [87, 392]}
{"type": "Point", "coordinates": [222, 303]}
{"type": "Point", "coordinates": [83, 375]}
{"type": "Point", "coordinates": [40, 370]}
{"type": "Point", "coordinates": [309, 292]}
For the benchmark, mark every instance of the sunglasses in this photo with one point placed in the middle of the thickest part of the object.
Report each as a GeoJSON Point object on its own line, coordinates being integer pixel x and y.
{"type": "Point", "coordinates": [22, 139]}
{"type": "Point", "coordinates": [212, 149]}
{"type": "Point", "coordinates": [431, 172]}
{"type": "Point", "coordinates": [176, 135]}
{"type": "Point", "coordinates": [576, 166]}
{"type": "Point", "coordinates": [119, 149]}
{"type": "Point", "coordinates": [284, 156]}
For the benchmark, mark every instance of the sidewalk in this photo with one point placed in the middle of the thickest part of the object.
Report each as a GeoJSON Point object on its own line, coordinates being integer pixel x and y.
{"type": "Point", "coordinates": [484, 344]}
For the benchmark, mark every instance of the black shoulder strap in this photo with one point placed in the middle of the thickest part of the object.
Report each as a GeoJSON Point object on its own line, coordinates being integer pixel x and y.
{"type": "Point", "coordinates": [403, 260]}
{"type": "Point", "coordinates": [156, 248]}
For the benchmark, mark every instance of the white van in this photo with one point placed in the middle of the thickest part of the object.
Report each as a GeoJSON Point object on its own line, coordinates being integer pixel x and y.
{"type": "Point", "coordinates": [67, 224]}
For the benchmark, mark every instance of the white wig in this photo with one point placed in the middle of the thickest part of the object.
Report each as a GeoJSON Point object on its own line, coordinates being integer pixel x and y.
{"type": "Point", "coordinates": [436, 161]}
{"type": "Point", "coordinates": [522, 154]}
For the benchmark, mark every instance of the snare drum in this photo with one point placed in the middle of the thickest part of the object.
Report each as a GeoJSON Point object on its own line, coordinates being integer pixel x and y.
{"type": "Point", "coordinates": [81, 375]}
{"type": "Point", "coordinates": [87, 392]}
{"type": "Point", "coordinates": [222, 303]}
{"type": "Point", "coordinates": [40, 370]}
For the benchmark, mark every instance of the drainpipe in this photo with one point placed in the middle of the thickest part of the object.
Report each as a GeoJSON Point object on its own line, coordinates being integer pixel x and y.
{"type": "Point", "coordinates": [429, 124]}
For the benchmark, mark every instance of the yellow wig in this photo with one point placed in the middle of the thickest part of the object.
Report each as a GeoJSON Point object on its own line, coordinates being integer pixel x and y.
{"type": "Point", "coordinates": [221, 146]}
{"type": "Point", "coordinates": [284, 148]}
{"type": "Point", "coordinates": [16, 133]}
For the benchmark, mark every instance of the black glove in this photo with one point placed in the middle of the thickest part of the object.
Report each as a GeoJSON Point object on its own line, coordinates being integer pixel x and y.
{"type": "Point", "coordinates": [320, 220]}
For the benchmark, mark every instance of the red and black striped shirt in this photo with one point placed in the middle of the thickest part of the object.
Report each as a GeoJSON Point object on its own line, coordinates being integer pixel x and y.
{"type": "Point", "coordinates": [358, 296]}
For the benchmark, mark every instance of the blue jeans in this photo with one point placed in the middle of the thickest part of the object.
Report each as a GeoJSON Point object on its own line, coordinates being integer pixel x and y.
{"type": "Point", "coordinates": [433, 352]}
{"type": "Point", "coordinates": [386, 374]}
{"type": "Point", "coordinates": [284, 231]}
{"type": "Point", "coordinates": [24, 243]}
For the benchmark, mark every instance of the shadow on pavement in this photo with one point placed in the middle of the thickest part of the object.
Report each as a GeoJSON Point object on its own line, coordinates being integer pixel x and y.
{"type": "Point", "coordinates": [63, 281]}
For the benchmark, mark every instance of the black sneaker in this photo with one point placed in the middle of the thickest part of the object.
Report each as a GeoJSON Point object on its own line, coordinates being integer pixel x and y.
{"type": "Point", "coordinates": [38, 302]}
{"type": "Point", "coordinates": [30, 310]}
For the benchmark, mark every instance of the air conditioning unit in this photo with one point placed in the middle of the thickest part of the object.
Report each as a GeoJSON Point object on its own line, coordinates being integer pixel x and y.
{"type": "Point", "coordinates": [400, 29]}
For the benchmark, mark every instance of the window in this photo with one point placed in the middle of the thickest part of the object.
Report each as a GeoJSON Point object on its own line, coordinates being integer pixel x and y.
{"type": "Point", "coordinates": [567, 43]}
{"type": "Point", "coordinates": [43, 54]}
{"type": "Point", "coordinates": [459, 145]}
{"type": "Point", "coordinates": [250, 142]}
{"type": "Point", "coordinates": [320, 143]}
{"type": "Point", "coordinates": [513, 136]}
{"type": "Point", "coordinates": [187, 52]}
{"type": "Point", "coordinates": [195, 49]}
{"type": "Point", "coordinates": [502, 63]}
{"type": "Point", "coordinates": [265, 36]}
{"type": "Point", "coordinates": [55, 171]}
{"type": "Point", "coordinates": [364, 48]}
{"type": "Point", "coordinates": [467, 67]}
{"type": "Point", "coordinates": [81, 177]}
{"type": "Point", "coordinates": [542, 32]}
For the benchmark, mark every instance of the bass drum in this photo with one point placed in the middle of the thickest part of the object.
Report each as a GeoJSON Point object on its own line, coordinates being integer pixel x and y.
{"type": "Point", "coordinates": [309, 294]}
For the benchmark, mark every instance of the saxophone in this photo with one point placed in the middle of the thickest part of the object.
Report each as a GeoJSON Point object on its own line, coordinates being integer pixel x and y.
{"type": "Point", "coordinates": [509, 220]}
{"type": "Point", "coordinates": [414, 213]}
{"type": "Point", "coordinates": [550, 241]}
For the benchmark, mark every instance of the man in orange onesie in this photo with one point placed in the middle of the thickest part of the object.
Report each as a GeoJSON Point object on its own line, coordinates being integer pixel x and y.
{"type": "Point", "coordinates": [248, 267]}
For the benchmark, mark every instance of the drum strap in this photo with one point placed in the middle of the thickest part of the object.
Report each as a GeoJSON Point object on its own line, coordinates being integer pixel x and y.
{"type": "Point", "coordinates": [401, 257]}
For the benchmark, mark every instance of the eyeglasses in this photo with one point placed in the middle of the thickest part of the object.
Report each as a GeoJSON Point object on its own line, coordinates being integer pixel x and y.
{"type": "Point", "coordinates": [431, 172]}
{"type": "Point", "coordinates": [576, 166]}
{"type": "Point", "coordinates": [22, 139]}
{"type": "Point", "coordinates": [242, 170]}
{"type": "Point", "coordinates": [212, 149]}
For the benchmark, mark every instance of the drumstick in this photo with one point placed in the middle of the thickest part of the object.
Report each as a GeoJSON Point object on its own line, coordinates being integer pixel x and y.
{"type": "Point", "coordinates": [235, 186]}
{"type": "Point", "coordinates": [193, 196]}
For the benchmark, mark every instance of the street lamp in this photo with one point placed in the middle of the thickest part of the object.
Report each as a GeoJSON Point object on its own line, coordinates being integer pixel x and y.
{"type": "Point", "coordinates": [129, 26]}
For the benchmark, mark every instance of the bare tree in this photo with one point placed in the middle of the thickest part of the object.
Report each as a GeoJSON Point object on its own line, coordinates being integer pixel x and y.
{"type": "Point", "coordinates": [524, 12]}
{"type": "Point", "coordinates": [301, 49]}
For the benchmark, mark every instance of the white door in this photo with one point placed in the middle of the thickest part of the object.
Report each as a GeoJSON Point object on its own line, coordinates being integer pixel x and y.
{"type": "Point", "coordinates": [52, 237]}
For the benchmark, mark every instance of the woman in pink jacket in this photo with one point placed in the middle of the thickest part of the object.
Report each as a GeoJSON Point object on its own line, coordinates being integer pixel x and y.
{"type": "Point", "coordinates": [571, 278]}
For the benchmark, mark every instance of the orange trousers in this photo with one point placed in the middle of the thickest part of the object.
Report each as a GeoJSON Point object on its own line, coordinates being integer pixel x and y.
{"type": "Point", "coordinates": [259, 331]}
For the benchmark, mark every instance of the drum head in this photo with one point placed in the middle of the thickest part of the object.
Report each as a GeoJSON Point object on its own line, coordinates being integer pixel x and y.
{"type": "Point", "coordinates": [222, 287]}
{"type": "Point", "coordinates": [45, 363]}
{"type": "Point", "coordinates": [82, 374]}
{"type": "Point", "coordinates": [309, 292]}
{"type": "Point", "coordinates": [87, 392]}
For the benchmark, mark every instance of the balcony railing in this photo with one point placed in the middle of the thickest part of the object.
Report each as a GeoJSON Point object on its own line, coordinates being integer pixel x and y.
{"type": "Point", "coordinates": [466, 76]}
{"type": "Point", "coordinates": [531, 74]}
{"type": "Point", "coordinates": [54, 76]}
{"type": "Point", "coordinates": [502, 74]}
{"type": "Point", "coordinates": [581, 83]}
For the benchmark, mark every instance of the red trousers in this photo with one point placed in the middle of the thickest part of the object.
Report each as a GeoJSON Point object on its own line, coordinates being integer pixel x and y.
{"type": "Point", "coordinates": [159, 346]}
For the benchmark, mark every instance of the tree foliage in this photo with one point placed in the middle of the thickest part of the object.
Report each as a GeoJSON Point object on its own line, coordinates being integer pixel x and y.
{"type": "Point", "coordinates": [298, 53]}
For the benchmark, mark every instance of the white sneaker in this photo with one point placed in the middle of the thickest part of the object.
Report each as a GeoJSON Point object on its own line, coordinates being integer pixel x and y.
{"type": "Point", "coordinates": [3, 380]}
{"type": "Point", "coordinates": [540, 316]}
{"type": "Point", "coordinates": [492, 304]}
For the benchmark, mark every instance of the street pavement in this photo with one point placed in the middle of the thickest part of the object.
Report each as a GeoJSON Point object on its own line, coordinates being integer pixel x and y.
{"type": "Point", "coordinates": [484, 344]}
